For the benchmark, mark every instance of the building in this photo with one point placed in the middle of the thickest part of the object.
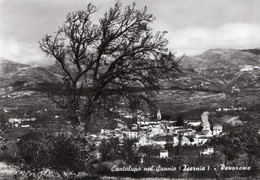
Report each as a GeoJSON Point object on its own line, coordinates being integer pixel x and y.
{"type": "Point", "coordinates": [159, 116]}
{"type": "Point", "coordinates": [18, 121]}
{"type": "Point", "coordinates": [208, 151]}
{"type": "Point", "coordinates": [185, 132]}
{"type": "Point", "coordinates": [147, 122]}
{"type": "Point", "coordinates": [164, 154]}
{"type": "Point", "coordinates": [200, 140]}
{"type": "Point", "coordinates": [134, 127]}
{"type": "Point", "coordinates": [217, 130]}
{"type": "Point", "coordinates": [194, 124]}
{"type": "Point", "coordinates": [131, 134]}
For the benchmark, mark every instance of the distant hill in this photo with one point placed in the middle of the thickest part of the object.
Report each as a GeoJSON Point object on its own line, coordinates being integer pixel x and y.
{"type": "Point", "coordinates": [20, 75]}
{"type": "Point", "coordinates": [255, 51]}
{"type": "Point", "coordinates": [215, 70]}
{"type": "Point", "coordinates": [216, 78]}
{"type": "Point", "coordinates": [226, 67]}
{"type": "Point", "coordinates": [9, 68]}
{"type": "Point", "coordinates": [221, 58]}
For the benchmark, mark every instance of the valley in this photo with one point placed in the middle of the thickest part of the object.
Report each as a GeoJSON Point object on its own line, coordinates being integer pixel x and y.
{"type": "Point", "coordinates": [223, 83]}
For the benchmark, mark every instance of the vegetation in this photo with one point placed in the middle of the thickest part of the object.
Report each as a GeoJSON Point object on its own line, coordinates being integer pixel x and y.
{"type": "Point", "coordinates": [109, 149]}
{"type": "Point", "coordinates": [106, 62]}
{"type": "Point", "coordinates": [241, 140]}
{"type": "Point", "coordinates": [61, 154]}
{"type": "Point", "coordinates": [128, 152]}
{"type": "Point", "coordinates": [4, 124]}
{"type": "Point", "coordinates": [32, 155]}
{"type": "Point", "coordinates": [180, 121]}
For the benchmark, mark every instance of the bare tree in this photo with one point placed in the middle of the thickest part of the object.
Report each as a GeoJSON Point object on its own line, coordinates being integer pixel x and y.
{"type": "Point", "coordinates": [106, 62]}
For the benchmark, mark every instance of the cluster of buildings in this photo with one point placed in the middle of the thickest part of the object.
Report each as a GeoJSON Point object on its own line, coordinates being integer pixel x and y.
{"type": "Point", "coordinates": [232, 108]}
{"type": "Point", "coordinates": [160, 133]}
{"type": "Point", "coordinates": [21, 122]}
{"type": "Point", "coordinates": [156, 132]}
{"type": "Point", "coordinates": [19, 94]}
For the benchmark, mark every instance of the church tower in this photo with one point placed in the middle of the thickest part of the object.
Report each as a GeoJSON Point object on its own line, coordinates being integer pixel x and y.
{"type": "Point", "coordinates": [159, 116]}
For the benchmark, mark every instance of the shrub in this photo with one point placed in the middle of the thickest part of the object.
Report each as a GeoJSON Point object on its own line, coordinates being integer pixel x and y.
{"type": "Point", "coordinates": [32, 154]}
{"type": "Point", "coordinates": [7, 158]}
{"type": "Point", "coordinates": [59, 153]}
{"type": "Point", "coordinates": [65, 156]}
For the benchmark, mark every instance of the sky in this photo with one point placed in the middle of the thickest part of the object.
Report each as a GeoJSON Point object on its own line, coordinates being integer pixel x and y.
{"type": "Point", "coordinates": [193, 26]}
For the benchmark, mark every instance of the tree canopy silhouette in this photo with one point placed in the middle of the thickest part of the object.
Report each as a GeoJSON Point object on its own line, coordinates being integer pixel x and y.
{"type": "Point", "coordinates": [104, 63]}
{"type": "Point", "coordinates": [180, 121]}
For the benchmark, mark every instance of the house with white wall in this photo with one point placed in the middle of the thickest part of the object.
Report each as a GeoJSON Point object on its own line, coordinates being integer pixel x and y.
{"type": "Point", "coordinates": [164, 154]}
{"type": "Point", "coordinates": [207, 151]}
{"type": "Point", "coordinates": [217, 130]}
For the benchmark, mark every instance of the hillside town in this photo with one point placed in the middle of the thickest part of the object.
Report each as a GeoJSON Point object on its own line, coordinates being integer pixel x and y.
{"type": "Point", "coordinates": [160, 133]}
{"type": "Point", "coordinates": [146, 131]}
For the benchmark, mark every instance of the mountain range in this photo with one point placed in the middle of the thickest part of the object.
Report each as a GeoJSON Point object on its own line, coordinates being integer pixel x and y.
{"type": "Point", "coordinates": [224, 70]}
{"type": "Point", "coordinates": [22, 76]}
{"type": "Point", "coordinates": [216, 70]}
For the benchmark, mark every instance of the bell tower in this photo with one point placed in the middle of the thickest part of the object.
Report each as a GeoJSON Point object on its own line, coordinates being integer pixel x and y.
{"type": "Point", "coordinates": [159, 116]}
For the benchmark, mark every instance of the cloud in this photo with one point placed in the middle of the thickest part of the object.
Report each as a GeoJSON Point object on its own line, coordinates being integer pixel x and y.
{"type": "Point", "coordinates": [22, 52]}
{"type": "Point", "coordinates": [191, 41]}
{"type": "Point", "coordinates": [192, 27]}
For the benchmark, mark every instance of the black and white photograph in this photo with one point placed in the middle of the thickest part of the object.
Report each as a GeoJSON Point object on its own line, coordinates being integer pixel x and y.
{"type": "Point", "coordinates": [129, 89]}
